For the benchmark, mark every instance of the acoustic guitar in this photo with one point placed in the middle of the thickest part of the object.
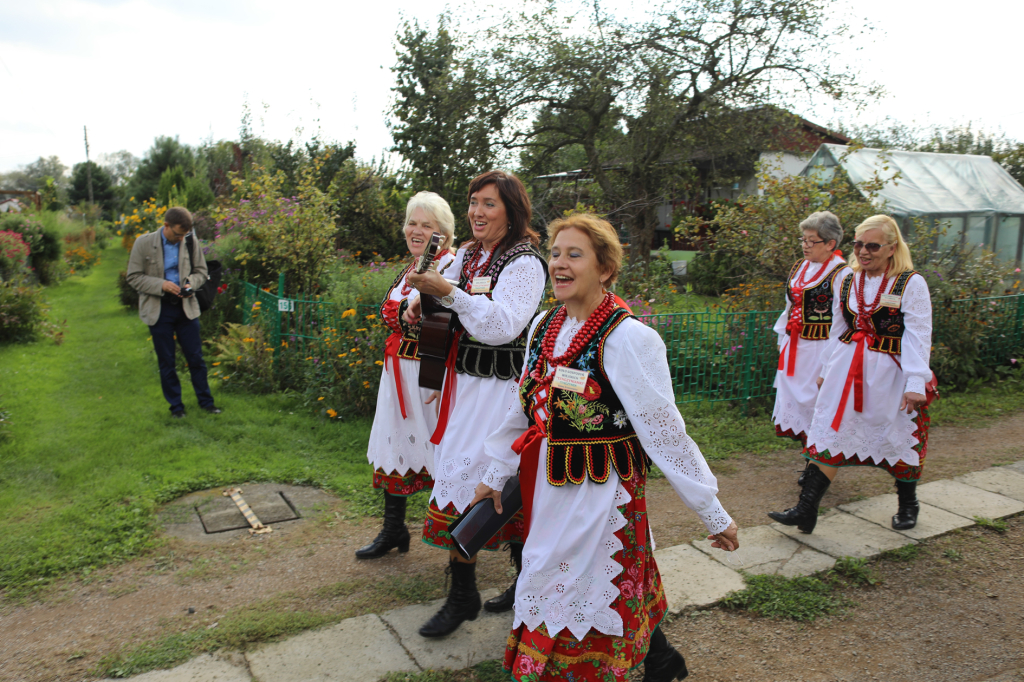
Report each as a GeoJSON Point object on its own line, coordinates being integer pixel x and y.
{"type": "Point", "coordinates": [437, 326]}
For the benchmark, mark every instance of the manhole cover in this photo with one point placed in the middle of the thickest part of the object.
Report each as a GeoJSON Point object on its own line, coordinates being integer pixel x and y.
{"type": "Point", "coordinates": [221, 514]}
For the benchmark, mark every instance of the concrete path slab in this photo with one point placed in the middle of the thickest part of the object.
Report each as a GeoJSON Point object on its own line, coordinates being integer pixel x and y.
{"type": "Point", "coordinates": [1000, 480]}
{"type": "Point", "coordinates": [839, 534]}
{"type": "Point", "coordinates": [1017, 466]}
{"type": "Point", "coordinates": [354, 650]}
{"type": "Point", "coordinates": [205, 668]}
{"type": "Point", "coordinates": [966, 500]}
{"type": "Point", "coordinates": [480, 640]}
{"type": "Point", "coordinates": [931, 521]}
{"type": "Point", "coordinates": [765, 551]}
{"type": "Point", "coordinates": [691, 578]}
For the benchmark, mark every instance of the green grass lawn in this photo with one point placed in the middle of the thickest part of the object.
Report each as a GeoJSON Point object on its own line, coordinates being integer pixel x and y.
{"type": "Point", "coordinates": [92, 449]}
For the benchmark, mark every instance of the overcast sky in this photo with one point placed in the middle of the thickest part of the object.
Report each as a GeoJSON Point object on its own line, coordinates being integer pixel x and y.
{"type": "Point", "coordinates": [132, 70]}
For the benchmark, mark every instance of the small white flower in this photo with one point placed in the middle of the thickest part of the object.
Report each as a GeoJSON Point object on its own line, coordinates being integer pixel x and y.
{"type": "Point", "coordinates": [619, 418]}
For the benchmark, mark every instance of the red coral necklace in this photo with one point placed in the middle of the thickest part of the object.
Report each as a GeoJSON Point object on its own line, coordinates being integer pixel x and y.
{"type": "Point", "coordinates": [579, 341]}
{"type": "Point", "coordinates": [863, 311]}
{"type": "Point", "coordinates": [472, 268]}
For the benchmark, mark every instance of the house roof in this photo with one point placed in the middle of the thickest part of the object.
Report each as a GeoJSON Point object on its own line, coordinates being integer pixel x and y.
{"type": "Point", "coordinates": [927, 183]}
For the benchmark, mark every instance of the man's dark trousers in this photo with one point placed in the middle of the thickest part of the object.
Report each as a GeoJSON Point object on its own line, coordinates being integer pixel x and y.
{"type": "Point", "coordinates": [173, 322]}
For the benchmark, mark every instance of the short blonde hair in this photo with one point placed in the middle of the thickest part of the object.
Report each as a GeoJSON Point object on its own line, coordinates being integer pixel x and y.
{"type": "Point", "coordinates": [602, 236]}
{"type": "Point", "coordinates": [435, 205]}
{"type": "Point", "coordinates": [900, 259]}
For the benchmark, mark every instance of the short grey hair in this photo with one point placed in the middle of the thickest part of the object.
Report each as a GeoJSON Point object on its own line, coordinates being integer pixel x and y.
{"type": "Point", "coordinates": [826, 224]}
{"type": "Point", "coordinates": [435, 205]}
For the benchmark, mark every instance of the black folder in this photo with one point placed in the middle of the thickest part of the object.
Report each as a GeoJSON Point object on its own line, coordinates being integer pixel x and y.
{"type": "Point", "coordinates": [480, 523]}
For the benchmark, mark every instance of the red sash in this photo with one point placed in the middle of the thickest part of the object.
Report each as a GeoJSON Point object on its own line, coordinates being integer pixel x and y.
{"type": "Point", "coordinates": [527, 446]}
{"type": "Point", "coordinates": [391, 347]}
{"type": "Point", "coordinates": [448, 394]}
{"type": "Point", "coordinates": [855, 378]}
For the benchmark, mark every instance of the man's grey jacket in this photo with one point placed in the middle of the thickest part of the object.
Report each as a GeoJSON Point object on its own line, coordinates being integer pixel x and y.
{"type": "Point", "coordinates": [146, 274]}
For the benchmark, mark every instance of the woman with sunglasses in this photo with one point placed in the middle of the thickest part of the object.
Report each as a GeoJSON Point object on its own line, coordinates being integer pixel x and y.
{"type": "Point", "coordinates": [595, 408]}
{"type": "Point", "coordinates": [872, 407]}
{"type": "Point", "coordinates": [804, 325]}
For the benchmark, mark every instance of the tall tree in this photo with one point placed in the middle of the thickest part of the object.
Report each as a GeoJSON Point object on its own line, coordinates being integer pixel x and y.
{"type": "Point", "coordinates": [672, 84]}
{"type": "Point", "coordinates": [165, 153]}
{"type": "Point", "coordinates": [442, 124]}
{"type": "Point", "coordinates": [102, 187]}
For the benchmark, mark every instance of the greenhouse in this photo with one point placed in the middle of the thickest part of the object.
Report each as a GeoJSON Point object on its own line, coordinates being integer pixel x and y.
{"type": "Point", "coordinates": [978, 201]}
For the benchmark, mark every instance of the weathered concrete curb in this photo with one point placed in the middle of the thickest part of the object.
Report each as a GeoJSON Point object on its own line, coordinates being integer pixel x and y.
{"type": "Point", "coordinates": [365, 648]}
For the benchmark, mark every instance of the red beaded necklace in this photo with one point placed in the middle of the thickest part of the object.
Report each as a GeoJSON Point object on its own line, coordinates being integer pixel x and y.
{"type": "Point", "coordinates": [797, 290]}
{"type": "Point", "coordinates": [472, 268]}
{"type": "Point", "coordinates": [579, 341]}
{"type": "Point", "coordinates": [863, 311]}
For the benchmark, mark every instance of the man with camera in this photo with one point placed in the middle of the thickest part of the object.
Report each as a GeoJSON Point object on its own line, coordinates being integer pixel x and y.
{"type": "Point", "coordinates": [160, 268]}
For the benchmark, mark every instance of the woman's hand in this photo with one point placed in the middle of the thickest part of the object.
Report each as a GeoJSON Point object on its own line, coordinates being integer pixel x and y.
{"type": "Point", "coordinates": [483, 492]}
{"type": "Point", "coordinates": [820, 381]}
{"type": "Point", "coordinates": [413, 312]}
{"type": "Point", "coordinates": [726, 540]}
{"type": "Point", "coordinates": [434, 399]}
{"type": "Point", "coordinates": [911, 401]}
{"type": "Point", "coordinates": [430, 282]}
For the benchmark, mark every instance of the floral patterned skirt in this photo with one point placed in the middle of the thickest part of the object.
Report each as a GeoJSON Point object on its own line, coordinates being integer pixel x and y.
{"type": "Point", "coordinates": [788, 433]}
{"type": "Point", "coordinates": [535, 656]}
{"type": "Point", "coordinates": [899, 471]}
{"type": "Point", "coordinates": [402, 485]}
{"type": "Point", "coordinates": [435, 528]}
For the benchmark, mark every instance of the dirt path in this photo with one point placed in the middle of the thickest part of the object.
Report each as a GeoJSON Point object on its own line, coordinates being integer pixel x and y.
{"type": "Point", "coordinates": [310, 566]}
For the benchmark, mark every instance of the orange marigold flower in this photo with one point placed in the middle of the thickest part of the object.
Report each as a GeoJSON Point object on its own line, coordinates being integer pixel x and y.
{"type": "Point", "coordinates": [332, 414]}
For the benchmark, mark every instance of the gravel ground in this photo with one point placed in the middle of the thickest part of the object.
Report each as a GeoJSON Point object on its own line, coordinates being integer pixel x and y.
{"type": "Point", "coordinates": [76, 622]}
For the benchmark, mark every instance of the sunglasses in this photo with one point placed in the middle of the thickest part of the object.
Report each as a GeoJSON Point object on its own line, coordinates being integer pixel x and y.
{"type": "Point", "coordinates": [871, 247]}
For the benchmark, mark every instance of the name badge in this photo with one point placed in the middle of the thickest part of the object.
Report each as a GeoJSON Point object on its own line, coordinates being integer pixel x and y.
{"type": "Point", "coordinates": [481, 285]}
{"type": "Point", "coordinates": [890, 301]}
{"type": "Point", "coordinates": [570, 379]}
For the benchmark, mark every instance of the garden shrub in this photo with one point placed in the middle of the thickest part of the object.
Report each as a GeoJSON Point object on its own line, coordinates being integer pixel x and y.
{"type": "Point", "coordinates": [43, 241]}
{"type": "Point", "coordinates": [243, 359]}
{"type": "Point", "coordinates": [14, 255]}
{"type": "Point", "coordinates": [126, 293]}
{"type": "Point", "coordinates": [349, 283]}
{"type": "Point", "coordinates": [23, 315]}
{"type": "Point", "coordinates": [646, 282]}
{"type": "Point", "coordinates": [5, 424]}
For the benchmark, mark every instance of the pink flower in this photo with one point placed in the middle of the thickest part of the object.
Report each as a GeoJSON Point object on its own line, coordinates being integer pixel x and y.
{"type": "Point", "coordinates": [743, 231]}
{"type": "Point", "coordinates": [627, 589]}
{"type": "Point", "coordinates": [582, 409]}
{"type": "Point", "coordinates": [598, 419]}
{"type": "Point", "coordinates": [1017, 270]}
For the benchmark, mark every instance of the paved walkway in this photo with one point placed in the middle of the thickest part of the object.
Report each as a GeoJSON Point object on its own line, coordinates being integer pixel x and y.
{"type": "Point", "coordinates": [365, 648]}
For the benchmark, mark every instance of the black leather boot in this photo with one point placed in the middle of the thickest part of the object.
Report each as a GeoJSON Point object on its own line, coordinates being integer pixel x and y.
{"type": "Point", "coordinates": [393, 534]}
{"type": "Point", "coordinates": [663, 662]}
{"type": "Point", "coordinates": [805, 514]}
{"type": "Point", "coordinates": [462, 604]}
{"type": "Point", "coordinates": [906, 514]}
{"type": "Point", "coordinates": [507, 599]}
{"type": "Point", "coordinates": [803, 474]}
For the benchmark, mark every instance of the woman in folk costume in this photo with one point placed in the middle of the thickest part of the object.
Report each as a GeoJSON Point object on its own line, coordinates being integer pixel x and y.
{"type": "Point", "coordinates": [400, 449]}
{"type": "Point", "coordinates": [596, 407]}
{"type": "Point", "coordinates": [501, 278]}
{"type": "Point", "coordinates": [804, 325]}
{"type": "Point", "coordinates": [872, 407]}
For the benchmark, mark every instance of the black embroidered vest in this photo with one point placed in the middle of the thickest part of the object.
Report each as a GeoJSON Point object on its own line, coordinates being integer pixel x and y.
{"type": "Point", "coordinates": [410, 346]}
{"type": "Point", "coordinates": [816, 312]}
{"type": "Point", "coordinates": [588, 433]}
{"type": "Point", "coordinates": [888, 322]}
{"type": "Point", "coordinates": [505, 361]}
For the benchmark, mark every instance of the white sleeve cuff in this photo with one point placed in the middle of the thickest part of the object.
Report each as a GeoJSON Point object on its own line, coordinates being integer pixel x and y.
{"type": "Point", "coordinates": [715, 518]}
{"type": "Point", "coordinates": [915, 384]}
{"type": "Point", "coordinates": [462, 301]}
{"type": "Point", "coordinates": [496, 475]}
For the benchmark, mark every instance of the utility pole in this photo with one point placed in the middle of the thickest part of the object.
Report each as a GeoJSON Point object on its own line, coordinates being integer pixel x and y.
{"type": "Point", "coordinates": [88, 166]}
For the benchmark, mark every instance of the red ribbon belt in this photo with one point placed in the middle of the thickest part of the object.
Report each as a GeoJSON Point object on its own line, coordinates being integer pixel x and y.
{"type": "Point", "coordinates": [527, 446]}
{"type": "Point", "coordinates": [448, 394]}
{"type": "Point", "coordinates": [794, 327]}
{"type": "Point", "coordinates": [391, 347]}
{"type": "Point", "coordinates": [855, 378]}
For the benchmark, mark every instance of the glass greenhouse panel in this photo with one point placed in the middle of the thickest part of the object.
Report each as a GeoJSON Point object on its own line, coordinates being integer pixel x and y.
{"type": "Point", "coordinates": [1008, 239]}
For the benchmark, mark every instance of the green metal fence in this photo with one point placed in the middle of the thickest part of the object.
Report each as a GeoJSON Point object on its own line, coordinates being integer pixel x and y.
{"type": "Point", "coordinates": [713, 355]}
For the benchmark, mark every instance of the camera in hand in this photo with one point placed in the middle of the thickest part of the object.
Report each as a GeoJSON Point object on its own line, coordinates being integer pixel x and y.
{"type": "Point", "coordinates": [186, 291]}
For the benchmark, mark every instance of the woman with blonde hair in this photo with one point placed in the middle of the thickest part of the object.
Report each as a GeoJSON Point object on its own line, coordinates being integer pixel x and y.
{"type": "Point", "coordinates": [872, 407]}
{"type": "Point", "coordinates": [400, 449]}
{"type": "Point", "coordinates": [595, 408]}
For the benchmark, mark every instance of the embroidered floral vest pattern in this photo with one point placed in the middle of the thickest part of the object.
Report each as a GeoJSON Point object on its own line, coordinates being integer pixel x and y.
{"type": "Point", "coordinates": [588, 433]}
{"type": "Point", "coordinates": [817, 304]}
{"type": "Point", "coordinates": [888, 322]}
{"type": "Point", "coordinates": [506, 361]}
